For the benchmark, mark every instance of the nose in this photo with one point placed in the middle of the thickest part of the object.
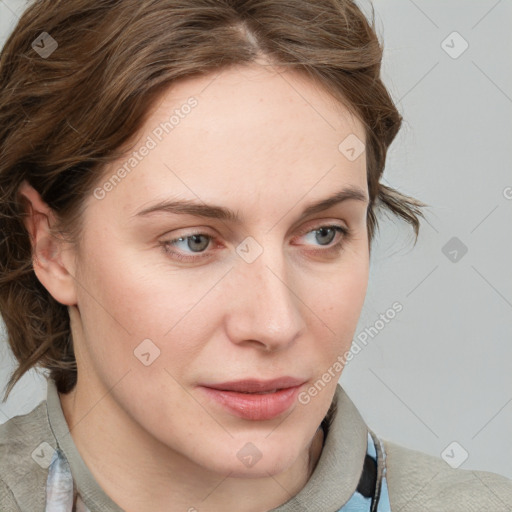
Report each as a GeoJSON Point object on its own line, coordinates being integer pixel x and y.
{"type": "Point", "coordinates": [265, 308]}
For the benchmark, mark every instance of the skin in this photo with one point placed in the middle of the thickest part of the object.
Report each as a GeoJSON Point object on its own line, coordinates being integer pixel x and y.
{"type": "Point", "coordinates": [265, 145]}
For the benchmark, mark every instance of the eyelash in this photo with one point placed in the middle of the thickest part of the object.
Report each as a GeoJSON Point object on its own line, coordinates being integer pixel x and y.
{"type": "Point", "coordinates": [346, 235]}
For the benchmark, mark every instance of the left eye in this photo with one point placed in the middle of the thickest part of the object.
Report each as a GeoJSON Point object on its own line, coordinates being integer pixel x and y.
{"type": "Point", "coordinates": [198, 242]}
{"type": "Point", "coordinates": [325, 234]}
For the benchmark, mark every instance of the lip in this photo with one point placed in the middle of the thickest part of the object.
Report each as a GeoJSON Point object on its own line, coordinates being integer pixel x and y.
{"type": "Point", "coordinates": [254, 399]}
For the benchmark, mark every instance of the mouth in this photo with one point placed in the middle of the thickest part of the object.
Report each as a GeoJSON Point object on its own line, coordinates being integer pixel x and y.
{"type": "Point", "coordinates": [253, 399]}
{"type": "Point", "coordinates": [256, 392]}
{"type": "Point", "coordinates": [256, 385]}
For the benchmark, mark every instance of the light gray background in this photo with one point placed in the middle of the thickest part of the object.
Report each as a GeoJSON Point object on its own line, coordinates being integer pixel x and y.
{"type": "Point", "coordinates": [440, 371]}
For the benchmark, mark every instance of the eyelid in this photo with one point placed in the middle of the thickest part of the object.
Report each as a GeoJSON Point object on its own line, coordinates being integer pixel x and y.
{"type": "Point", "coordinates": [186, 232]}
{"type": "Point", "coordinates": [344, 235]}
{"type": "Point", "coordinates": [307, 228]}
{"type": "Point", "coordinates": [320, 223]}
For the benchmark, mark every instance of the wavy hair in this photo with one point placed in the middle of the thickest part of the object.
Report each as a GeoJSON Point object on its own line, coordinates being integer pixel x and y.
{"type": "Point", "coordinates": [65, 116]}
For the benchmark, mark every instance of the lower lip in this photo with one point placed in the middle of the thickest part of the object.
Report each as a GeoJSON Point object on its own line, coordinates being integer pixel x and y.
{"type": "Point", "coordinates": [254, 406]}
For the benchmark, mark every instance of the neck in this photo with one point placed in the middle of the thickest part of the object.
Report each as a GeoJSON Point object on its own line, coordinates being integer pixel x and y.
{"type": "Point", "coordinates": [152, 475]}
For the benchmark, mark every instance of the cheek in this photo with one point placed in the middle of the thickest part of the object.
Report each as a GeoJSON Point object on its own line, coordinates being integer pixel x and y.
{"type": "Point", "coordinates": [346, 299]}
{"type": "Point", "coordinates": [349, 294]}
{"type": "Point", "coordinates": [345, 281]}
{"type": "Point", "coordinates": [338, 300]}
{"type": "Point", "coordinates": [129, 296]}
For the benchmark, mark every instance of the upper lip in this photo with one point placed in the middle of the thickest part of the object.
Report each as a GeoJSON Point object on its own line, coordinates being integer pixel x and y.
{"type": "Point", "coordinates": [256, 385]}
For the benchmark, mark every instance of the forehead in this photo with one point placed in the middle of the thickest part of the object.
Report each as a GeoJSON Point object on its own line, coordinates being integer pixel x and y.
{"type": "Point", "coordinates": [245, 132]}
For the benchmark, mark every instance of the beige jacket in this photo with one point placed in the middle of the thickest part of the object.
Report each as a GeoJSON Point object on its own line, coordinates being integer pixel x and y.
{"type": "Point", "coordinates": [417, 482]}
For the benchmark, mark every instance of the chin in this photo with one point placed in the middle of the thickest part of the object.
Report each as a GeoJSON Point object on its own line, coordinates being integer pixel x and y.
{"type": "Point", "coordinates": [268, 465]}
{"type": "Point", "coordinates": [256, 458]}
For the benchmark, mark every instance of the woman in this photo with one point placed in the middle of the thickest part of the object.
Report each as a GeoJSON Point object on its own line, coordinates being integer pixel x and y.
{"type": "Point", "coordinates": [189, 196]}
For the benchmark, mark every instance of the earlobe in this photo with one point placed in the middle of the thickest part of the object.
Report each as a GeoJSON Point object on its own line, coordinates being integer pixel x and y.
{"type": "Point", "coordinates": [50, 260]}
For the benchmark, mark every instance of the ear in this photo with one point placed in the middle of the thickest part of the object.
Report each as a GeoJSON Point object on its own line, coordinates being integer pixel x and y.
{"type": "Point", "coordinates": [52, 258]}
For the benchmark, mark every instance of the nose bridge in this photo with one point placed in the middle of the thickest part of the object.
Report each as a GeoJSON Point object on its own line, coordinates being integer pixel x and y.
{"type": "Point", "coordinates": [266, 308]}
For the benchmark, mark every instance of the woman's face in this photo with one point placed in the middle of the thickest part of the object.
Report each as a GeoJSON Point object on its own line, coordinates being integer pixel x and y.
{"type": "Point", "coordinates": [177, 300]}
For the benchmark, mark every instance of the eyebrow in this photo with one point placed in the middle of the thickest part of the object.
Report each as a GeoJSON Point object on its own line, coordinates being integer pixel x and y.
{"type": "Point", "coordinates": [190, 207]}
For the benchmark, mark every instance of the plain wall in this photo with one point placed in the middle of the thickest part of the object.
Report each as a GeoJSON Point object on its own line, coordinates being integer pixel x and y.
{"type": "Point", "coordinates": [440, 370]}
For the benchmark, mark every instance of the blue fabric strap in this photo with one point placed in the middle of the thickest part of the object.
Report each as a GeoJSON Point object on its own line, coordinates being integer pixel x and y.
{"type": "Point", "coordinates": [372, 492]}
{"type": "Point", "coordinates": [61, 495]}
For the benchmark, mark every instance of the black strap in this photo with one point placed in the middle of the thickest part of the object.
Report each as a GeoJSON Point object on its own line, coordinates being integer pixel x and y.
{"type": "Point", "coordinates": [368, 481]}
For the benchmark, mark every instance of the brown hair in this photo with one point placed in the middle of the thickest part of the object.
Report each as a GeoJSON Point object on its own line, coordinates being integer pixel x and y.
{"type": "Point", "coordinates": [64, 116]}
